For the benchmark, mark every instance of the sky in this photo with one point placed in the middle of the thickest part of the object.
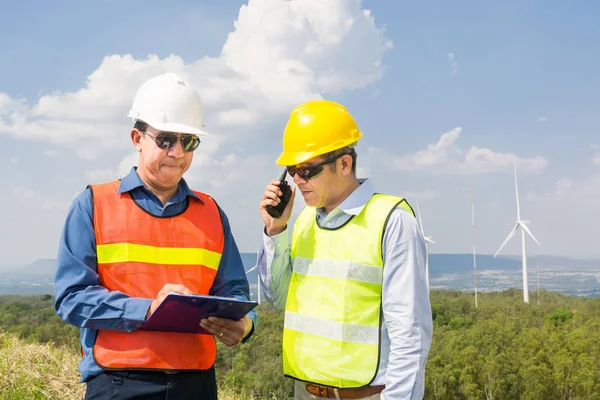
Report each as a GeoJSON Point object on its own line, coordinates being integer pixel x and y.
{"type": "Point", "coordinates": [451, 97]}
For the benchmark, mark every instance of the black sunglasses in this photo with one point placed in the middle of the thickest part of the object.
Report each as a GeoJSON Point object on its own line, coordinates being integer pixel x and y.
{"type": "Point", "coordinates": [166, 140]}
{"type": "Point", "coordinates": [312, 171]}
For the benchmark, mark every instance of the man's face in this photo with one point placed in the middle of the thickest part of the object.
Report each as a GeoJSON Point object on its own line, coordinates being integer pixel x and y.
{"type": "Point", "coordinates": [319, 190]}
{"type": "Point", "coordinates": [165, 167]}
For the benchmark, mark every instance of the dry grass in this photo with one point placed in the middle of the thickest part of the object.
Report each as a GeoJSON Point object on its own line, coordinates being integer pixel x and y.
{"type": "Point", "coordinates": [36, 371]}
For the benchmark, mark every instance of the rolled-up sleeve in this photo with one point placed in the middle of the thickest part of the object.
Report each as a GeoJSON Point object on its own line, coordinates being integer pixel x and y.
{"type": "Point", "coordinates": [274, 268]}
{"type": "Point", "coordinates": [80, 300]}
{"type": "Point", "coordinates": [406, 308]}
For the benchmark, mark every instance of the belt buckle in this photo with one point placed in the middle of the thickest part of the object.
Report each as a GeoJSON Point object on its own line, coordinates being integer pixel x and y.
{"type": "Point", "coordinates": [168, 372]}
{"type": "Point", "coordinates": [316, 389]}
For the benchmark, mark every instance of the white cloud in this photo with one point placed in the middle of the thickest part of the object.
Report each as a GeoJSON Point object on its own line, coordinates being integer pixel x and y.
{"type": "Point", "coordinates": [453, 63]}
{"type": "Point", "coordinates": [445, 156]}
{"type": "Point", "coordinates": [100, 175]}
{"type": "Point", "coordinates": [8, 106]}
{"type": "Point", "coordinates": [52, 153]}
{"type": "Point", "coordinates": [596, 158]}
{"type": "Point", "coordinates": [280, 54]}
{"type": "Point", "coordinates": [576, 192]}
{"type": "Point", "coordinates": [25, 192]}
{"type": "Point", "coordinates": [542, 119]}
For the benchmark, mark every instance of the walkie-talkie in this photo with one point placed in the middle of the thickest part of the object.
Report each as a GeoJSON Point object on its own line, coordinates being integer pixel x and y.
{"type": "Point", "coordinates": [276, 211]}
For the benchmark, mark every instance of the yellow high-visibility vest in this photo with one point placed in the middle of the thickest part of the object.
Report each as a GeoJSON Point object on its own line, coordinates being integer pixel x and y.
{"type": "Point", "coordinates": [333, 309]}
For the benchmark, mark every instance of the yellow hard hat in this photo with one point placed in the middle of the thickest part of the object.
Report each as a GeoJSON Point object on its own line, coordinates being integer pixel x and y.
{"type": "Point", "coordinates": [314, 128]}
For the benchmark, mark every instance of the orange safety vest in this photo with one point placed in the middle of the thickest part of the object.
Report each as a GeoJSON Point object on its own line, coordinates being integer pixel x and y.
{"type": "Point", "coordinates": [137, 255]}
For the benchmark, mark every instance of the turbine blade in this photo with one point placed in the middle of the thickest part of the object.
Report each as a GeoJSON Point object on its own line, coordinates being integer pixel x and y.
{"type": "Point", "coordinates": [420, 220]}
{"type": "Point", "coordinates": [526, 229]}
{"type": "Point", "coordinates": [251, 269]}
{"type": "Point", "coordinates": [510, 235]}
{"type": "Point", "coordinates": [517, 193]}
{"type": "Point", "coordinates": [429, 240]}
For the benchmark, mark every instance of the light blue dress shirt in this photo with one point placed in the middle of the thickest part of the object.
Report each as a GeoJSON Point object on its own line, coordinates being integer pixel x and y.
{"type": "Point", "coordinates": [406, 321]}
{"type": "Point", "coordinates": [81, 301]}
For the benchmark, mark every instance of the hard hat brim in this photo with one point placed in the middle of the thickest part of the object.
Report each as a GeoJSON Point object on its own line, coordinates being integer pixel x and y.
{"type": "Point", "coordinates": [176, 127]}
{"type": "Point", "coordinates": [287, 159]}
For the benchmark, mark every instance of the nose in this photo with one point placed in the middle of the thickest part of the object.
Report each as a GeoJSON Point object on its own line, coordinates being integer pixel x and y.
{"type": "Point", "coordinates": [177, 150]}
{"type": "Point", "coordinates": [297, 179]}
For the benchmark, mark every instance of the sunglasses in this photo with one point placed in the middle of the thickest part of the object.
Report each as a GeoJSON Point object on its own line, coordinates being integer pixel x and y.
{"type": "Point", "coordinates": [311, 171]}
{"type": "Point", "coordinates": [166, 140]}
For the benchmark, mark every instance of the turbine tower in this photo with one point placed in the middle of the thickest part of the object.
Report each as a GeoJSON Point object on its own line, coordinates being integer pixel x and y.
{"type": "Point", "coordinates": [257, 281]}
{"type": "Point", "coordinates": [524, 229]}
{"type": "Point", "coordinates": [473, 242]}
{"type": "Point", "coordinates": [538, 283]}
{"type": "Point", "coordinates": [427, 240]}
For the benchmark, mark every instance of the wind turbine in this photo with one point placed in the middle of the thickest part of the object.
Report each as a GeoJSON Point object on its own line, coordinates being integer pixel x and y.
{"type": "Point", "coordinates": [257, 281]}
{"type": "Point", "coordinates": [427, 240]}
{"type": "Point", "coordinates": [473, 242]}
{"type": "Point", "coordinates": [524, 229]}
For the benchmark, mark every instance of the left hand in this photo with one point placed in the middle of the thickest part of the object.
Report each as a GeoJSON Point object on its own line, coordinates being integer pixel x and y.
{"type": "Point", "coordinates": [228, 331]}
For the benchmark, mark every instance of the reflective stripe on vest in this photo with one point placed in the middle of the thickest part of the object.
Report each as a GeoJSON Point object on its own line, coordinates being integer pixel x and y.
{"type": "Point", "coordinates": [333, 309]}
{"type": "Point", "coordinates": [137, 255]}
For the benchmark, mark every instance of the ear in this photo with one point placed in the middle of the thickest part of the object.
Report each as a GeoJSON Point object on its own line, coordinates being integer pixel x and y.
{"type": "Point", "coordinates": [136, 139]}
{"type": "Point", "coordinates": [346, 164]}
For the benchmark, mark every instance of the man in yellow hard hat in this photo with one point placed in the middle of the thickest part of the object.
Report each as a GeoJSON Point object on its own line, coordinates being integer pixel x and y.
{"type": "Point", "coordinates": [357, 314]}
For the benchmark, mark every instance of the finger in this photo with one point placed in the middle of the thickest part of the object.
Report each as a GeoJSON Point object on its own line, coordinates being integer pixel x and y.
{"type": "Point", "coordinates": [216, 329]}
{"type": "Point", "coordinates": [223, 324]}
{"type": "Point", "coordinates": [272, 194]}
{"type": "Point", "coordinates": [274, 189]}
{"type": "Point", "coordinates": [226, 336]}
{"type": "Point", "coordinates": [268, 202]}
{"type": "Point", "coordinates": [171, 287]}
{"type": "Point", "coordinates": [230, 339]}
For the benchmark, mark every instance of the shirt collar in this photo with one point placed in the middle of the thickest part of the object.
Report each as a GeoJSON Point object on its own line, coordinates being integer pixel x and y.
{"type": "Point", "coordinates": [133, 181]}
{"type": "Point", "coordinates": [356, 201]}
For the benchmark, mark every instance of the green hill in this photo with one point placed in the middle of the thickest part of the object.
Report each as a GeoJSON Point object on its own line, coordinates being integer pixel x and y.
{"type": "Point", "coordinates": [503, 350]}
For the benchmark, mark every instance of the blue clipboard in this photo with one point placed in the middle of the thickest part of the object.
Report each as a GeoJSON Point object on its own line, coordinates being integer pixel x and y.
{"type": "Point", "coordinates": [182, 313]}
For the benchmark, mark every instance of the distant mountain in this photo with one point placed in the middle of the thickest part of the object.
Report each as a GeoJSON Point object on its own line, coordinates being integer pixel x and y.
{"type": "Point", "coordinates": [438, 264]}
{"type": "Point", "coordinates": [43, 267]}
{"type": "Point", "coordinates": [450, 263]}
{"type": "Point", "coordinates": [553, 261]}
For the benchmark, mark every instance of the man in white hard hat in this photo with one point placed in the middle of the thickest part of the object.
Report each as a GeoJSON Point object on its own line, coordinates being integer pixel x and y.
{"type": "Point", "coordinates": [128, 243]}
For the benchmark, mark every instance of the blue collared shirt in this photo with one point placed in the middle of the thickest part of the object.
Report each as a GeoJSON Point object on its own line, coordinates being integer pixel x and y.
{"type": "Point", "coordinates": [81, 301]}
{"type": "Point", "coordinates": [407, 322]}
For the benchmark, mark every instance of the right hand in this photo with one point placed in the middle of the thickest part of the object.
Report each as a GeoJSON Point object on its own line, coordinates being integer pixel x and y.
{"type": "Point", "coordinates": [168, 288]}
{"type": "Point", "coordinates": [275, 226]}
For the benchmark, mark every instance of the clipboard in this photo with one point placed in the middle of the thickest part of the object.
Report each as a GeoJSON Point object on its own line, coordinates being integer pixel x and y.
{"type": "Point", "coordinates": [182, 313]}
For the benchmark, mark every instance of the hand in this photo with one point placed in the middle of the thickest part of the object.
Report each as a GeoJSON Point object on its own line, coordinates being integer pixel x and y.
{"type": "Point", "coordinates": [275, 226]}
{"type": "Point", "coordinates": [228, 331]}
{"type": "Point", "coordinates": [168, 288]}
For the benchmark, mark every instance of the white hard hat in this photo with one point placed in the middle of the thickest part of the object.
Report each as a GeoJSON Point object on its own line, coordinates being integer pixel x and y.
{"type": "Point", "coordinates": [168, 103]}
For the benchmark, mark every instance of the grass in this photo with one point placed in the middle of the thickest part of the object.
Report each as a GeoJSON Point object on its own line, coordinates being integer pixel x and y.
{"type": "Point", "coordinates": [36, 371]}
{"type": "Point", "coordinates": [44, 371]}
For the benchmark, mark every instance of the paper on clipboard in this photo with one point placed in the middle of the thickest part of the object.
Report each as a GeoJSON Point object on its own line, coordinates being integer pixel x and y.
{"type": "Point", "coordinates": [182, 313]}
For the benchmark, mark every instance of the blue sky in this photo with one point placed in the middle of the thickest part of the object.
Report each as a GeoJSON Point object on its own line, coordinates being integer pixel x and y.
{"type": "Point", "coordinates": [449, 97]}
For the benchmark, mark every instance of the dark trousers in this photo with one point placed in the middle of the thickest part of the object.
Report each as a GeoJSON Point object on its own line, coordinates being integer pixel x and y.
{"type": "Point", "coordinates": [152, 385]}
